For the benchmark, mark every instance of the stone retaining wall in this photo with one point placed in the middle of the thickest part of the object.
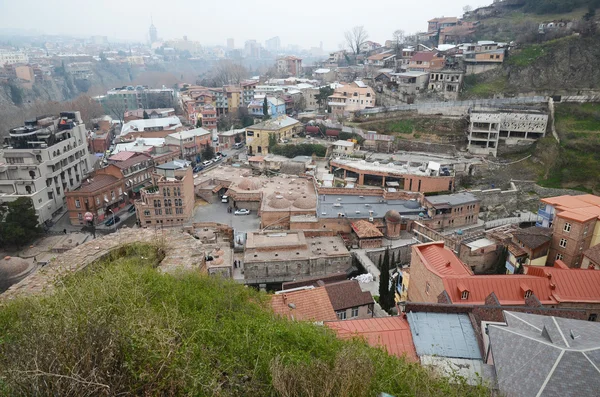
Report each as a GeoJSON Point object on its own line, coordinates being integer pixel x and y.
{"type": "Point", "coordinates": [182, 251]}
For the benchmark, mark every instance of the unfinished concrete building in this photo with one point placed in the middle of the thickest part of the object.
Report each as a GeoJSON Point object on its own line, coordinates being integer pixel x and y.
{"type": "Point", "coordinates": [512, 126]}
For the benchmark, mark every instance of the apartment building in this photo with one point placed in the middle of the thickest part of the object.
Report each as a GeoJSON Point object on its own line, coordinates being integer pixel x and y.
{"type": "Point", "coordinates": [12, 57]}
{"type": "Point", "coordinates": [257, 136]}
{"type": "Point", "coordinates": [42, 160]}
{"type": "Point", "coordinates": [290, 65]}
{"type": "Point", "coordinates": [574, 224]}
{"type": "Point", "coordinates": [139, 97]}
{"type": "Point", "coordinates": [102, 194]}
{"type": "Point", "coordinates": [170, 199]}
{"type": "Point", "coordinates": [483, 56]}
{"type": "Point", "coordinates": [350, 98]}
{"type": "Point", "coordinates": [137, 169]}
{"type": "Point", "coordinates": [208, 114]}
{"type": "Point", "coordinates": [191, 142]}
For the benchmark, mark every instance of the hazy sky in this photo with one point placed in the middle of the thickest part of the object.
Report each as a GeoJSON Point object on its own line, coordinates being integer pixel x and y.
{"type": "Point", "coordinates": [305, 23]}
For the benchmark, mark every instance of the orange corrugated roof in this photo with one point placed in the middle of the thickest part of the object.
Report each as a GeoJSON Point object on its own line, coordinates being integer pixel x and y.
{"type": "Point", "coordinates": [441, 261]}
{"type": "Point", "coordinates": [576, 216]}
{"type": "Point", "coordinates": [310, 305]}
{"type": "Point", "coordinates": [508, 288]}
{"type": "Point", "coordinates": [571, 285]}
{"type": "Point", "coordinates": [393, 333]}
{"type": "Point", "coordinates": [365, 229]}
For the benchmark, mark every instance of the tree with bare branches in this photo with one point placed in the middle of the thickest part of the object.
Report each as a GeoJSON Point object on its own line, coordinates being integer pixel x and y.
{"type": "Point", "coordinates": [399, 37]}
{"type": "Point", "coordinates": [355, 38]}
{"type": "Point", "coordinates": [115, 108]}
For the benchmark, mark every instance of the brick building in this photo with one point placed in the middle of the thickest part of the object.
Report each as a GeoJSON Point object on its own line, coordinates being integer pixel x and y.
{"type": "Point", "coordinates": [170, 199]}
{"type": "Point", "coordinates": [137, 169]}
{"type": "Point", "coordinates": [228, 139]}
{"type": "Point", "coordinates": [274, 258]}
{"type": "Point", "coordinates": [349, 301]}
{"type": "Point", "coordinates": [102, 192]}
{"type": "Point", "coordinates": [403, 177]}
{"type": "Point", "coordinates": [451, 211]}
{"type": "Point", "coordinates": [574, 224]}
{"type": "Point", "coordinates": [438, 276]}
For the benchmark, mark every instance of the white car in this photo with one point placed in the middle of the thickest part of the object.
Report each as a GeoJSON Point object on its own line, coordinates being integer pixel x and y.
{"type": "Point", "coordinates": [242, 211]}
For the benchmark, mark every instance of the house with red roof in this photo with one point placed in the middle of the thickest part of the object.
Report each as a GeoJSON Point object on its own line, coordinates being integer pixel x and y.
{"type": "Point", "coordinates": [437, 275]}
{"type": "Point", "coordinates": [575, 227]}
{"type": "Point", "coordinates": [425, 61]}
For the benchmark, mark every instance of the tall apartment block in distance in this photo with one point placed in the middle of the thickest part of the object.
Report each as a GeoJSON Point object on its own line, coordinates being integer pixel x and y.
{"type": "Point", "coordinates": [137, 97]}
{"type": "Point", "coordinates": [43, 159]}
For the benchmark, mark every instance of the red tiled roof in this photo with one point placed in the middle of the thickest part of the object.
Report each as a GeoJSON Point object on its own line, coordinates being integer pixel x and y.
{"type": "Point", "coordinates": [347, 294]}
{"type": "Point", "coordinates": [593, 254]}
{"type": "Point", "coordinates": [441, 261]}
{"type": "Point", "coordinates": [96, 183]}
{"type": "Point", "coordinates": [392, 333]}
{"type": "Point", "coordinates": [122, 156]}
{"type": "Point", "coordinates": [309, 305]}
{"type": "Point", "coordinates": [365, 229]}
{"type": "Point", "coordinates": [423, 56]}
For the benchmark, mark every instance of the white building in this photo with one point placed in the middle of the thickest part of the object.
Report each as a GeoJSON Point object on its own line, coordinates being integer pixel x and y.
{"type": "Point", "coordinates": [343, 148]}
{"type": "Point", "coordinates": [12, 57]}
{"type": "Point", "coordinates": [42, 159]}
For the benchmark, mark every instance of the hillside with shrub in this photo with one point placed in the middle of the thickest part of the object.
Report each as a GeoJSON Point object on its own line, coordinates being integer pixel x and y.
{"type": "Point", "coordinates": [122, 328]}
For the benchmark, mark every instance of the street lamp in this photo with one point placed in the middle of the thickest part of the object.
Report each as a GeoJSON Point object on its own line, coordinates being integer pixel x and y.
{"type": "Point", "coordinates": [113, 218]}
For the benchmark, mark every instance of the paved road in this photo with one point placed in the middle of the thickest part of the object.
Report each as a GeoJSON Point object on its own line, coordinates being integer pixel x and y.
{"type": "Point", "coordinates": [218, 213]}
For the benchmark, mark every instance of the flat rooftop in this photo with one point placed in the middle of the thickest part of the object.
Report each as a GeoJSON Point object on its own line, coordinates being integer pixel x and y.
{"type": "Point", "coordinates": [391, 168]}
{"type": "Point", "coordinates": [291, 245]}
{"type": "Point", "coordinates": [452, 199]}
{"type": "Point", "coordinates": [361, 207]}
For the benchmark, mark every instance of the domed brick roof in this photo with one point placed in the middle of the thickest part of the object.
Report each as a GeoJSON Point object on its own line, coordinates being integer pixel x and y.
{"type": "Point", "coordinates": [305, 203]}
{"type": "Point", "coordinates": [392, 216]}
{"type": "Point", "coordinates": [12, 267]}
{"type": "Point", "coordinates": [279, 203]}
{"type": "Point", "coordinates": [250, 184]}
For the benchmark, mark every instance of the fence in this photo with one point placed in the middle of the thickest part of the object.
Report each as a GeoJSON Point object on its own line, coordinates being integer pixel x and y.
{"type": "Point", "coordinates": [452, 104]}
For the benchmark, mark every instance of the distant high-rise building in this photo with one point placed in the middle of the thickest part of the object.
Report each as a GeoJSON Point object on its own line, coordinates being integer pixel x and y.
{"type": "Point", "coordinates": [230, 44]}
{"type": "Point", "coordinates": [252, 49]}
{"type": "Point", "coordinates": [273, 44]}
{"type": "Point", "coordinates": [153, 32]}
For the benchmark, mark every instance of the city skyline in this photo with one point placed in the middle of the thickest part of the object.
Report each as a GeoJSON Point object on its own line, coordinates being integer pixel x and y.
{"type": "Point", "coordinates": [133, 20]}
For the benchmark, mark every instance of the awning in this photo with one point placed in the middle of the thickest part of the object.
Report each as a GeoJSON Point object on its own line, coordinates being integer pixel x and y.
{"type": "Point", "coordinates": [217, 188]}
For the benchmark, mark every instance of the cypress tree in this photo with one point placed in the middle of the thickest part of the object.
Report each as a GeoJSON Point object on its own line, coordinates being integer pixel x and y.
{"type": "Point", "coordinates": [384, 281]}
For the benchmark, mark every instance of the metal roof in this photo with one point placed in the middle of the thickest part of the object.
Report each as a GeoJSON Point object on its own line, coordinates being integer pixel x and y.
{"type": "Point", "coordinates": [443, 335]}
{"type": "Point", "coordinates": [452, 199]}
{"type": "Point", "coordinates": [359, 207]}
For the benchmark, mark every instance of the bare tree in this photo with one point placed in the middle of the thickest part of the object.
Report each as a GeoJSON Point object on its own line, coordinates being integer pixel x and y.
{"type": "Point", "coordinates": [115, 108]}
{"type": "Point", "coordinates": [399, 39]}
{"type": "Point", "coordinates": [355, 38]}
{"type": "Point", "coordinates": [467, 9]}
{"type": "Point", "coordinates": [228, 72]}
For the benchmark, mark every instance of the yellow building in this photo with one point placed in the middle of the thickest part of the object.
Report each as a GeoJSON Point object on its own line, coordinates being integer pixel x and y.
{"type": "Point", "coordinates": [257, 136]}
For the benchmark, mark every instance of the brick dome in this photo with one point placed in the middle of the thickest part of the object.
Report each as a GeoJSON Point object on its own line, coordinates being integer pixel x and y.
{"type": "Point", "coordinates": [392, 216]}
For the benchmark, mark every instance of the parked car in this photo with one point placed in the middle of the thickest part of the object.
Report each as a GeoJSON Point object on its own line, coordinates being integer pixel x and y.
{"type": "Point", "coordinates": [224, 199]}
{"type": "Point", "coordinates": [238, 145]}
{"type": "Point", "coordinates": [198, 168]}
{"type": "Point", "coordinates": [112, 220]}
{"type": "Point", "coordinates": [131, 209]}
{"type": "Point", "coordinates": [242, 211]}
{"type": "Point", "coordinates": [221, 154]}
{"type": "Point", "coordinates": [207, 163]}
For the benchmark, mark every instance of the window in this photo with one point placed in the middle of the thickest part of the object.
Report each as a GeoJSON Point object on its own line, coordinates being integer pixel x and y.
{"type": "Point", "coordinates": [559, 257]}
{"type": "Point", "coordinates": [592, 317]}
{"type": "Point", "coordinates": [563, 243]}
{"type": "Point", "coordinates": [80, 216]}
{"type": "Point", "coordinates": [341, 315]}
{"type": "Point", "coordinates": [355, 312]}
{"type": "Point", "coordinates": [427, 287]}
{"type": "Point", "coordinates": [528, 293]}
{"type": "Point", "coordinates": [77, 204]}
{"type": "Point", "coordinates": [97, 200]}
{"type": "Point", "coordinates": [567, 227]}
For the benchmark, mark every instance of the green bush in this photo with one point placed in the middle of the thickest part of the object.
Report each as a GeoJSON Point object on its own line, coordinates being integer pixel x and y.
{"type": "Point", "coordinates": [122, 327]}
{"type": "Point", "coordinates": [303, 149]}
